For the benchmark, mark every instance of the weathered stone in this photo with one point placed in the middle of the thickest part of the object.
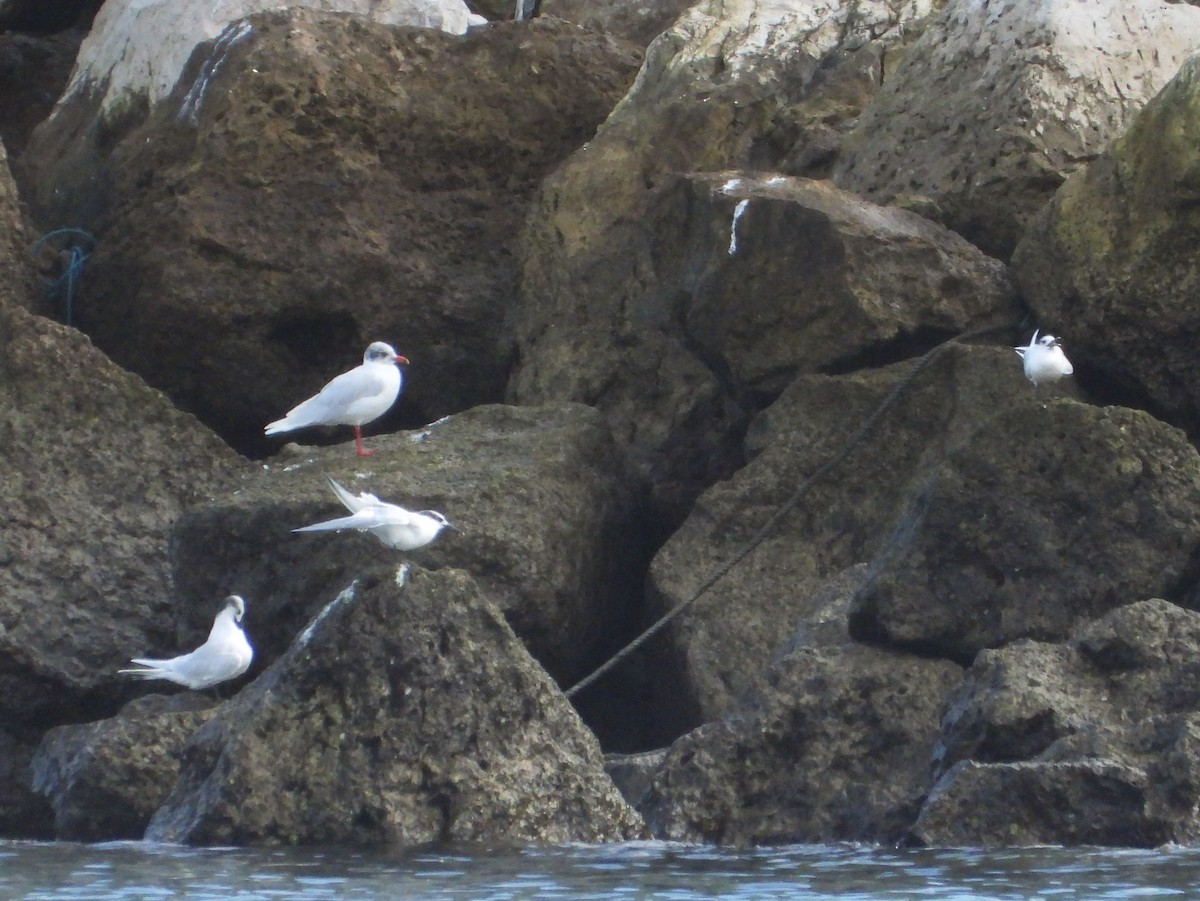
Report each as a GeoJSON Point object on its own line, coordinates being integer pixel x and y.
{"type": "Point", "coordinates": [16, 271]}
{"type": "Point", "coordinates": [1050, 515]}
{"type": "Point", "coordinates": [401, 716]}
{"type": "Point", "coordinates": [106, 779]}
{"type": "Point", "coordinates": [33, 72]}
{"type": "Point", "coordinates": [634, 20]}
{"type": "Point", "coordinates": [997, 103]}
{"type": "Point", "coordinates": [841, 522]}
{"type": "Point", "coordinates": [1094, 741]}
{"type": "Point", "coordinates": [546, 511]}
{"type": "Point", "coordinates": [831, 744]}
{"type": "Point", "coordinates": [331, 182]}
{"type": "Point", "coordinates": [1110, 258]}
{"type": "Point", "coordinates": [598, 269]}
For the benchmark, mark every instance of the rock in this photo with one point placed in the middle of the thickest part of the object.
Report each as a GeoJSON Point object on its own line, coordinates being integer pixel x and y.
{"type": "Point", "coordinates": [831, 744]}
{"type": "Point", "coordinates": [633, 773]}
{"type": "Point", "coordinates": [809, 566]}
{"type": "Point", "coordinates": [600, 271]}
{"type": "Point", "coordinates": [17, 286]}
{"type": "Point", "coordinates": [547, 515]}
{"type": "Point", "coordinates": [401, 716]}
{"type": "Point", "coordinates": [1093, 741]}
{"type": "Point", "coordinates": [1048, 516]}
{"type": "Point", "coordinates": [631, 20]}
{"type": "Point", "coordinates": [106, 779]}
{"type": "Point", "coordinates": [97, 468]}
{"type": "Point", "coordinates": [342, 182]}
{"type": "Point", "coordinates": [997, 103]}
{"type": "Point", "coordinates": [1107, 259]}
{"type": "Point", "coordinates": [34, 69]}
{"type": "Point", "coordinates": [44, 16]}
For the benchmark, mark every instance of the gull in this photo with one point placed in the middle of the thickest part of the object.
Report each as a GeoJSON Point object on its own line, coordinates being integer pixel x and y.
{"type": "Point", "coordinates": [1044, 359]}
{"type": "Point", "coordinates": [394, 526]}
{"type": "Point", "coordinates": [225, 655]}
{"type": "Point", "coordinates": [354, 398]}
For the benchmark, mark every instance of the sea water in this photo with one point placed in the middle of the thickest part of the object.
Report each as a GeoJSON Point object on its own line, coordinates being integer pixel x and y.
{"type": "Point", "coordinates": [137, 871]}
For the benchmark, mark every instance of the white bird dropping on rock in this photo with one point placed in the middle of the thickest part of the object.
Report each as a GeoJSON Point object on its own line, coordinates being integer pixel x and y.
{"type": "Point", "coordinates": [1044, 359]}
{"type": "Point", "coordinates": [393, 525]}
{"type": "Point", "coordinates": [354, 398]}
{"type": "Point", "coordinates": [224, 656]}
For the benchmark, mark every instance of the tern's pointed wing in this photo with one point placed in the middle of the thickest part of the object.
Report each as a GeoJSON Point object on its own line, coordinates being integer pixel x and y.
{"type": "Point", "coordinates": [371, 517]}
{"type": "Point", "coordinates": [352, 502]}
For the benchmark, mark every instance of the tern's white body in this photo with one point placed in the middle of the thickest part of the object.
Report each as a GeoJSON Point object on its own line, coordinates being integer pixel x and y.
{"type": "Point", "coordinates": [353, 398]}
{"type": "Point", "coordinates": [1044, 360]}
{"type": "Point", "coordinates": [225, 655]}
{"type": "Point", "coordinates": [393, 525]}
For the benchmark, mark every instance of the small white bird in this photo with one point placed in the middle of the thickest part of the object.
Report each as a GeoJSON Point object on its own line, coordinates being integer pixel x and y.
{"type": "Point", "coordinates": [354, 398]}
{"type": "Point", "coordinates": [394, 526]}
{"type": "Point", "coordinates": [1044, 359]}
{"type": "Point", "coordinates": [225, 655]}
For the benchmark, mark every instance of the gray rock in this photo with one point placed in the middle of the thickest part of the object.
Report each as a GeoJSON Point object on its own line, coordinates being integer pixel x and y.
{"type": "Point", "coordinates": [639, 21]}
{"type": "Point", "coordinates": [1048, 516]}
{"type": "Point", "coordinates": [545, 508]}
{"type": "Point", "coordinates": [831, 744]}
{"type": "Point", "coordinates": [605, 263]}
{"type": "Point", "coordinates": [1093, 741]}
{"type": "Point", "coordinates": [16, 273]}
{"type": "Point", "coordinates": [106, 779]}
{"type": "Point", "coordinates": [839, 524]}
{"type": "Point", "coordinates": [1109, 259]}
{"type": "Point", "coordinates": [401, 716]}
{"type": "Point", "coordinates": [997, 103]}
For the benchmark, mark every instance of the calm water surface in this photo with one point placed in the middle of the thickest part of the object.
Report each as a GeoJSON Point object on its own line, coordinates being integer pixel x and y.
{"type": "Point", "coordinates": [134, 870]}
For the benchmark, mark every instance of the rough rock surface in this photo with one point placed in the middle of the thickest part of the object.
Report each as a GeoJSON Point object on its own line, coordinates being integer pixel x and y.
{"type": "Point", "coordinates": [16, 271]}
{"type": "Point", "coordinates": [722, 642]}
{"type": "Point", "coordinates": [997, 103]}
{"type": "Point", "coordinates": [137, 49]}
{"type": "Point", "coordinates": [597, 271]}
{"type": "Point", "coordinates": [1089, 742]}
{"type": "Point", "coordinates": [97, 468]}
{"type": "Point", "coordinates": [106, 779]}
{"type": "Point", "coordinates": [402, 716]}
{"type": "Point", "coordinates": [1110, 258]}
{"type": "Point", "coordinates": [1048, 516]}
{"type": "Point", "coordinates": [633, 20]}
{"type": "Point", "coordinates": [342, 182]}
{"type": "Point", "coordinates": [34, 69]}
{"type": "Point", "coordinates": [545, 508]}
{"type": "Point", "coordinates": [832, 743]}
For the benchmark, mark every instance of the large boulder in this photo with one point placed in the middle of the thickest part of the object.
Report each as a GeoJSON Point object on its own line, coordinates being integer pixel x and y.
{"type": "Point", "coordinates": [98, 467]}
{"type": "Point", "coordinates": [633, 20]}
{"type": "Point", "coordinates": [724, 640]}
{"type": "Point", "coordinates": [833, 743]}
{"type": "Point", "coordinates": [997, 103]}
{"type": "Point", "coordinates": [1048, 516]}
{"type": "Point", "coordinates": [545, 508]}
{"type": "Point", "coordinates": [1093, 741]}
{"type": "Point", "coordinates": [16, 270]}
{"type": "Point", "coordinates": [1110, 258]}
{"type": "Point", "coordinates": [401, 715]}
{"type": "Point", "coordinates": [106, 779]}
{"type": "Point", "coordinates": [316, 182]}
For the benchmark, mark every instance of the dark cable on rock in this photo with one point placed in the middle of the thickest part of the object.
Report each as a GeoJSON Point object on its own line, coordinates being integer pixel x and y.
{"type": "Point", "coordinates": [757, 538]}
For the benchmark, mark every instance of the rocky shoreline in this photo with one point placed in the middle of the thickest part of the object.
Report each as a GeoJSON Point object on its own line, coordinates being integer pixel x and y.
{"type": "Point", "coordinates": [655, 267]}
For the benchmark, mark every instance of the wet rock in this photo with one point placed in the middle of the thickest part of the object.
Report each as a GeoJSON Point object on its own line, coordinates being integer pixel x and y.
{"type": "Point", "coordinates": [600, 271]}
{"type": "Point", "coordinates": [1108, 258]}
{"type": "Point", "coordinates": [106, 779]}
{"type": "Point", "coordinates": [1047, 517]}
{"type": "Point", "coordinates": [331, 182]}
{"type": "Point", "coordinates": [1092, 741]}
{"type": "Point", "coordinates": [996, 104]}
{"type": "Point", "coordinates": [813, 555]}
{"type": "Point", "coordinates": [402, 716]}
{"type": "Point", "coordinates": [547, 513]}
{"type": "Point", "coordinates": [831, 744]}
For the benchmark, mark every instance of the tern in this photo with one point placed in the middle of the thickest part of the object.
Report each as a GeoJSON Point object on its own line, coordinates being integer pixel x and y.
{"type": "Point", "coordinates": [354, 398]}
{"type": "Point", "coordinates": [393, 525]}
{"type": "Point", "coordinates": [1044, 359]}
{"type": "Point", "coordinates": [225, 655]}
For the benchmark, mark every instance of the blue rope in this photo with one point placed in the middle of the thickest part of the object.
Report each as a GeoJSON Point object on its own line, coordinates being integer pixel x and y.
{"type": "Point", "coordinates": [79, 249]}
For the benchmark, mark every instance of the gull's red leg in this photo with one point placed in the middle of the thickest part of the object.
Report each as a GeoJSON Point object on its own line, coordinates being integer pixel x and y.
{"type": "Point", "coordinates": [358, 445]}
